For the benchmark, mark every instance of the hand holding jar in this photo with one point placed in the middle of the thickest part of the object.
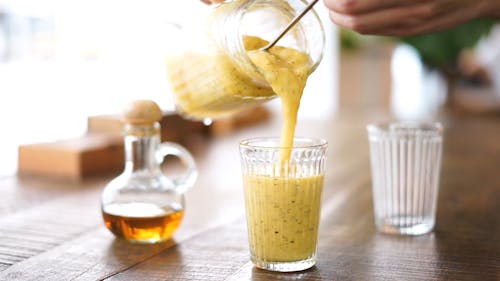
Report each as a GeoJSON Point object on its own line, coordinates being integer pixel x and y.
{"type": "Point", "coordinates": [408, 17]}
{"type": "Point", "coordinates": [211, 1]}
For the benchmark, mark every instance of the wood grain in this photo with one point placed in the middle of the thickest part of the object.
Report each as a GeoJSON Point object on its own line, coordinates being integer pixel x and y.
{"type": "Point", "coordinates": [53, 230]}
{"type": "Point", "coordinates": [59, 236]}
{"type": "Point", "coordinates": [45, 233]}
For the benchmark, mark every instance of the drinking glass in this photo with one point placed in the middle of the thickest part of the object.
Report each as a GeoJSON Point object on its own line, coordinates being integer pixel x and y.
{"type": "Point", "coordinates": [405, 165]}
{"type": "Point", "coordinates": [283, 201]}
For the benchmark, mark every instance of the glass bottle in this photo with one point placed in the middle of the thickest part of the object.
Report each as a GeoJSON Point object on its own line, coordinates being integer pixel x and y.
{"type": "Point", "coordinates": [208, 68]}
{"type": "Point", "coordinates": [143, 204]}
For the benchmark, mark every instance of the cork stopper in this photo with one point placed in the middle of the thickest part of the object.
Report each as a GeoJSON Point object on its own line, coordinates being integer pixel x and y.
{"type": "Point", "coordinates": [142, 112]}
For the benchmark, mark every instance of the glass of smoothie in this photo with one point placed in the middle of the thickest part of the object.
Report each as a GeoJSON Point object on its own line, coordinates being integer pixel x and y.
{"type": "Point", "coordinates": [283, 188]}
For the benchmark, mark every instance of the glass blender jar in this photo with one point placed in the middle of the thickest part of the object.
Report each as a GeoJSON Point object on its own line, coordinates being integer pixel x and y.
{"type": "Point", "coordinates": [209, 70]}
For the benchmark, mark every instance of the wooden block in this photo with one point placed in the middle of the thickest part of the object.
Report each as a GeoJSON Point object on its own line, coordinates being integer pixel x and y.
{"type": "Point", "coordinates": [74, 158]}
{"type": "Point", "coordinates": [246, 118]}
{"type": "Point", "coordinates": [173, 126]}
{"type": "Point", "coordinates": [105, 124]}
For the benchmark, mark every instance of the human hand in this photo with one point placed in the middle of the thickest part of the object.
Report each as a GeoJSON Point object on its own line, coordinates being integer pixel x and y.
{"type": "Point", "coordinates": [211, 1]}
{"type": "Point", "coordinates": [407, 17]}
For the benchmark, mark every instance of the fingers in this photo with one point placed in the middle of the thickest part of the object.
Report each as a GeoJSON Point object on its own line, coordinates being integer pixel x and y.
{"type": "Point", "coordinates": [211, 1]}
{"type": "Point", "coordinates": [414, 17]}
{"type": "Point", "coordinates": [437, 24]}
{"type": "Point", "coordinates": [354, 7]}
{"type": "Point", "coordinates": [377, 22]}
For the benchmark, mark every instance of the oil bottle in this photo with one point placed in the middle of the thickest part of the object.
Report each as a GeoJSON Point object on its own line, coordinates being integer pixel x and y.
{"type": "Point", "coordinates": [143, 204]}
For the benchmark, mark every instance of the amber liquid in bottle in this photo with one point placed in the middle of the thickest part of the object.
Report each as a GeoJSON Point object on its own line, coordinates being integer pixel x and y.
{"type": "Point", "coordinates": [142, 222]}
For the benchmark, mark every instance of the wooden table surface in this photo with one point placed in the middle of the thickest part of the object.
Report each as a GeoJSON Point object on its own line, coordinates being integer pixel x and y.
{"type": "Point", "coordinates": [53, 230]}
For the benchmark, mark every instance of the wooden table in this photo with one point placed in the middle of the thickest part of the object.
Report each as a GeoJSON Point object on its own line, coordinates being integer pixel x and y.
{"type": "Point", "coordinates": [54, 231]}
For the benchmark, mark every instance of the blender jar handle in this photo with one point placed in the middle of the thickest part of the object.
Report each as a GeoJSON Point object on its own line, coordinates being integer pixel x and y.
{"type": "Point", "coordinates": [185, 181]}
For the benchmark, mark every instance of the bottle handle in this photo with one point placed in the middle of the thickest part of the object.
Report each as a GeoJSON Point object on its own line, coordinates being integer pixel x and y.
{"type": "Point", "coordinates": [186, 180]}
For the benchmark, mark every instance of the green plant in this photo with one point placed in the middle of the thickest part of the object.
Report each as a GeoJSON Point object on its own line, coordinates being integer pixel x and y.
{"type": "Point", "coordinates": [442, 49]}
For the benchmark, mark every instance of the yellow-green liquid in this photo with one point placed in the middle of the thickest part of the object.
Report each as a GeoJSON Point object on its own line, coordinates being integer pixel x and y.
{"type": "Point", "coordinates": [282, 216]}
{"type": "Point", "coordinates": [286, 70]}
{"type": "Point", "coordinates": [282, 212]}
{"type": "Point", "coordinates": [211, 85]}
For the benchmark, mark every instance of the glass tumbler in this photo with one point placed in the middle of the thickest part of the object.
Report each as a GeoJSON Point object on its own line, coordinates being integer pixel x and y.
{"type": "Point", "coordinates": [405, 164]}
{"type": "Point", "coordinates": [283, 205]}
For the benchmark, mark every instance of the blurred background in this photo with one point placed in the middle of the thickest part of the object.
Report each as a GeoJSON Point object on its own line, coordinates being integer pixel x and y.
{"type": "Point", "coordinates": [63, 61]}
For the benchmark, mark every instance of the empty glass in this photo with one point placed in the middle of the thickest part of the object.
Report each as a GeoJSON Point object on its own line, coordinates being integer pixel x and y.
{"type": "Point", "coordinates": [405, 163]}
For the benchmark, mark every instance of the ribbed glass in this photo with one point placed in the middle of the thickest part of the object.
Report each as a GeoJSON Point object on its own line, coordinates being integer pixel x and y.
{"type": "Point", "coordinates": [283, 204]}
{"type": "Point", "coordinates": [405, 163]}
